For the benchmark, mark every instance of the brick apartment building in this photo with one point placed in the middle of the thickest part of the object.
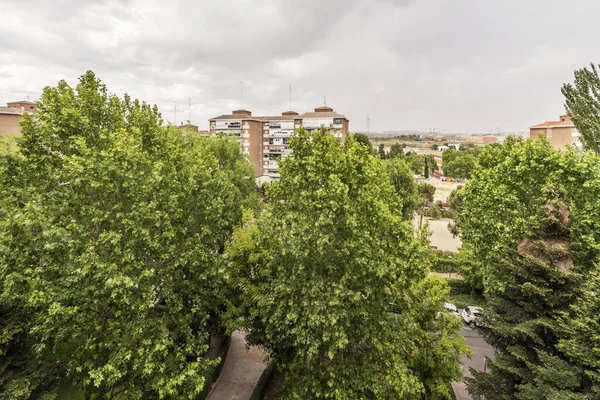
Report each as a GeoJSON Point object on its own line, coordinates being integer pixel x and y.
{"type": "Point", "coordinates": [559, 133]}
{"type": "Point", "coordinates": [265, 138]}
{"type": "Point", "coordinates": [12, 114]}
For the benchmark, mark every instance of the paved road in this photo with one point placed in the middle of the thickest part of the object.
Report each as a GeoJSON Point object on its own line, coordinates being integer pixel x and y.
{"type": "Point", "coordinates": [241, 371]}
{"type": "Point", "coordinates": [481, 350]}
{"type": "Point", "coordinates": [440, 235]}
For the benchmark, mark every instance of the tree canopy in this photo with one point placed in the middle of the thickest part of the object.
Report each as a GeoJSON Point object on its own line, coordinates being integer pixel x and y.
{"type": "Point", "coordinates": [322, 269]}
{"type": "Point", "coordinates": [405, 187]}
{"type": "Point", "coordinates": [532, 223]}
{"type": "Point", "coordinates": [582, 102]}
{"type": "Point", "coordinates": [458, 163]}
{"type": "Point", "coordinates": [111, 229]}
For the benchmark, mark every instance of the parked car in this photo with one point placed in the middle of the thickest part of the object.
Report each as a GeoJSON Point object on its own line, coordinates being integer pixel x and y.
{"type": "Point", "coordinates": [451, 308]}
{"type": "Point", "coordinates": [470, 314]}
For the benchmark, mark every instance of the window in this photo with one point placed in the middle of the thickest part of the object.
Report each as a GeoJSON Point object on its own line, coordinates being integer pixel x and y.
{"type": "Point", "coordinates": [338, 121]}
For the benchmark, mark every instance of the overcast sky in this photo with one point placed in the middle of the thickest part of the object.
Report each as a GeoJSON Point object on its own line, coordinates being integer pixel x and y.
{"type": "Point", "coordinates": [459, 66]}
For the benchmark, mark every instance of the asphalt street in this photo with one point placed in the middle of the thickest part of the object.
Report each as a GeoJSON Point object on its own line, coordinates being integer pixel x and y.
{"type": "Point", "coordinates": [481, 350]}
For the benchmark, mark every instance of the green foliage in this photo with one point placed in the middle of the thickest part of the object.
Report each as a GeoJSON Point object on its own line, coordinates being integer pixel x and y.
{"type": "Point", "coordinates": [426, 192]}
{"type": "Point", "coordinates": [455, 205]}
{"type": "Point", "coordinates": [462, 294]}
{"type": "Point", "coordinates": [582, 327]}
{"type": "Point", "coordinates": [405, 187]}
{"type": "Point", "coordinates": [582, 102]}
{"type": "Point", "coordinates": [426, 169]}
{"type": "Point", "coordinates": [532, 223]}
{"type": "Point", "coordinates": [111, 229]}
{"type": "Point", "coordinates": [318, 269]}
{"type": "Point", "coordinates": [415, 161]}
{"type": "Point", "coordinates": [444, 261]}
{"type": "Point", "coordinates": [459, 164]}
{"type": "Point", "coordinates": [381, 152]}
{"type": "Point", "coordinates": [432, 164]}
{"type": "Point", "coordinates": [396, 151]}
{"type": "Point", "coordinates": [363, 138]}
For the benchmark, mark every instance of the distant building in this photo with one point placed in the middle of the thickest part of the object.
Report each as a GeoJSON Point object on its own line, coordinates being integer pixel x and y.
{"type": "Point", "coordinates": [559, 133]}
{"type": "Point", "coordinates": [189, 127]}
{"type": "Point", "coordinates": [266, 139]}
{"type": "Point", "coordinates": [12, 114]}
{"type": "Point", "coordinates": [489, 139]}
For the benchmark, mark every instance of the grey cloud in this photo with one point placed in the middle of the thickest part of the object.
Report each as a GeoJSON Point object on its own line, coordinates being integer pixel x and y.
{"type": "Point", "coordinates": [462, 66]}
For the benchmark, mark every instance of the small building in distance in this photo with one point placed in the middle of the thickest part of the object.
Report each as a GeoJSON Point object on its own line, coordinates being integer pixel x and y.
{"type": "Point", "coordinates": [12, 114]}
{"type": "Point", "coordinates": [189, 127]}
{"type": "Point", "coordinates": [489, 139]}
{"type": "Point", "coordinates": [559, 133]}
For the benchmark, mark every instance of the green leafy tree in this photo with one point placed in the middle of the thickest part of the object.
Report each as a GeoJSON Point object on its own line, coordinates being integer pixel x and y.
{"type": "Point", "coordinates": [363, 138]}
{"type": "Point", "coordinates": [582, 102]}
{"type": "Point", "coordinates": [458, 164]}
{"type": "Point", "coordinates": [426, 168]}
{"type": "Point", "coordinates": [405, 187]}
{"type": "Point", "coordinates": [381, 152]}
{"type": "Point", "coordinates": [582, 327]}
{"type": "Point", "coordinates": [426, 192]}
{"type": "Point", "coordinates": [396, 151]}
{"type": "Point", "coordinates": [431, 162]}
{"type": "Point", "coordinates": [113, 245]}
{"type": "Point", "coordinates": [318, 270]}
{"type": "Point", "coordinates": [415, 161]}
{"type": "Point", "coordinates": [455, 205]}
{"type": "Point", "coordinates": [535, 235]}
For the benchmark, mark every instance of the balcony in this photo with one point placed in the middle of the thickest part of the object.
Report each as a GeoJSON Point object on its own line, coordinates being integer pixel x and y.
{"type": "Point", "coordinates": [282, 133]}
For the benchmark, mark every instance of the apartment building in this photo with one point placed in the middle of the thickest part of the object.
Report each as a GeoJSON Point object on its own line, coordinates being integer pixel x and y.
{"type": "Point", "coordinates": [12, 114]}
{"type": "Point", "coordinates": [265, 139]}
{"type": "Point", "coordinates": [559, 133]}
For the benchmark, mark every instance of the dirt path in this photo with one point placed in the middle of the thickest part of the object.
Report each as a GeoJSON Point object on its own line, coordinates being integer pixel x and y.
{"type": "Point", "coordinates": [241, 371]}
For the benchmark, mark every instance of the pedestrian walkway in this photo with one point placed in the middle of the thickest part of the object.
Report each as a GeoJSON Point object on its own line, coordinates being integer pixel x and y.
{"type": "Point", "coordinates": [460, 391]}
{"type": "Point", "coordinates": [241, 371]}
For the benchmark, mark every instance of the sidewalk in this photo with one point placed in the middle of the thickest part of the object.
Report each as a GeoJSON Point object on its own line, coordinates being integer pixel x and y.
{"type": "Point", "coordinates": [460, 391]}
{"type": "Point", "coordinates": [241, 371]}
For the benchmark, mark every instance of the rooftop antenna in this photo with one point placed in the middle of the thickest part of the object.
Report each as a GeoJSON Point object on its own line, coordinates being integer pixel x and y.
{"type": "Point", "coordinates": [325, 100]}
{"type": "Point", "coordinates": [290, 96]}
{"type": "Point", "coordinates": [241, 95]}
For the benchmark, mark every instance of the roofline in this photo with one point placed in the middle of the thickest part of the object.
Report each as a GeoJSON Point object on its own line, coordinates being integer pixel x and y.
{"type": "Point", "coordinates": [551, 126]}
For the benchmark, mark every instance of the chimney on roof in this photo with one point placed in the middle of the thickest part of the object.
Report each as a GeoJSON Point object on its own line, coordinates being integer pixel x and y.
{"type": "Point", "coordinates": [565, 117]}
{"type": "Point", "coordinates": [323, 109]}
{"type": "Point", "coordinates": [289, 113]}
